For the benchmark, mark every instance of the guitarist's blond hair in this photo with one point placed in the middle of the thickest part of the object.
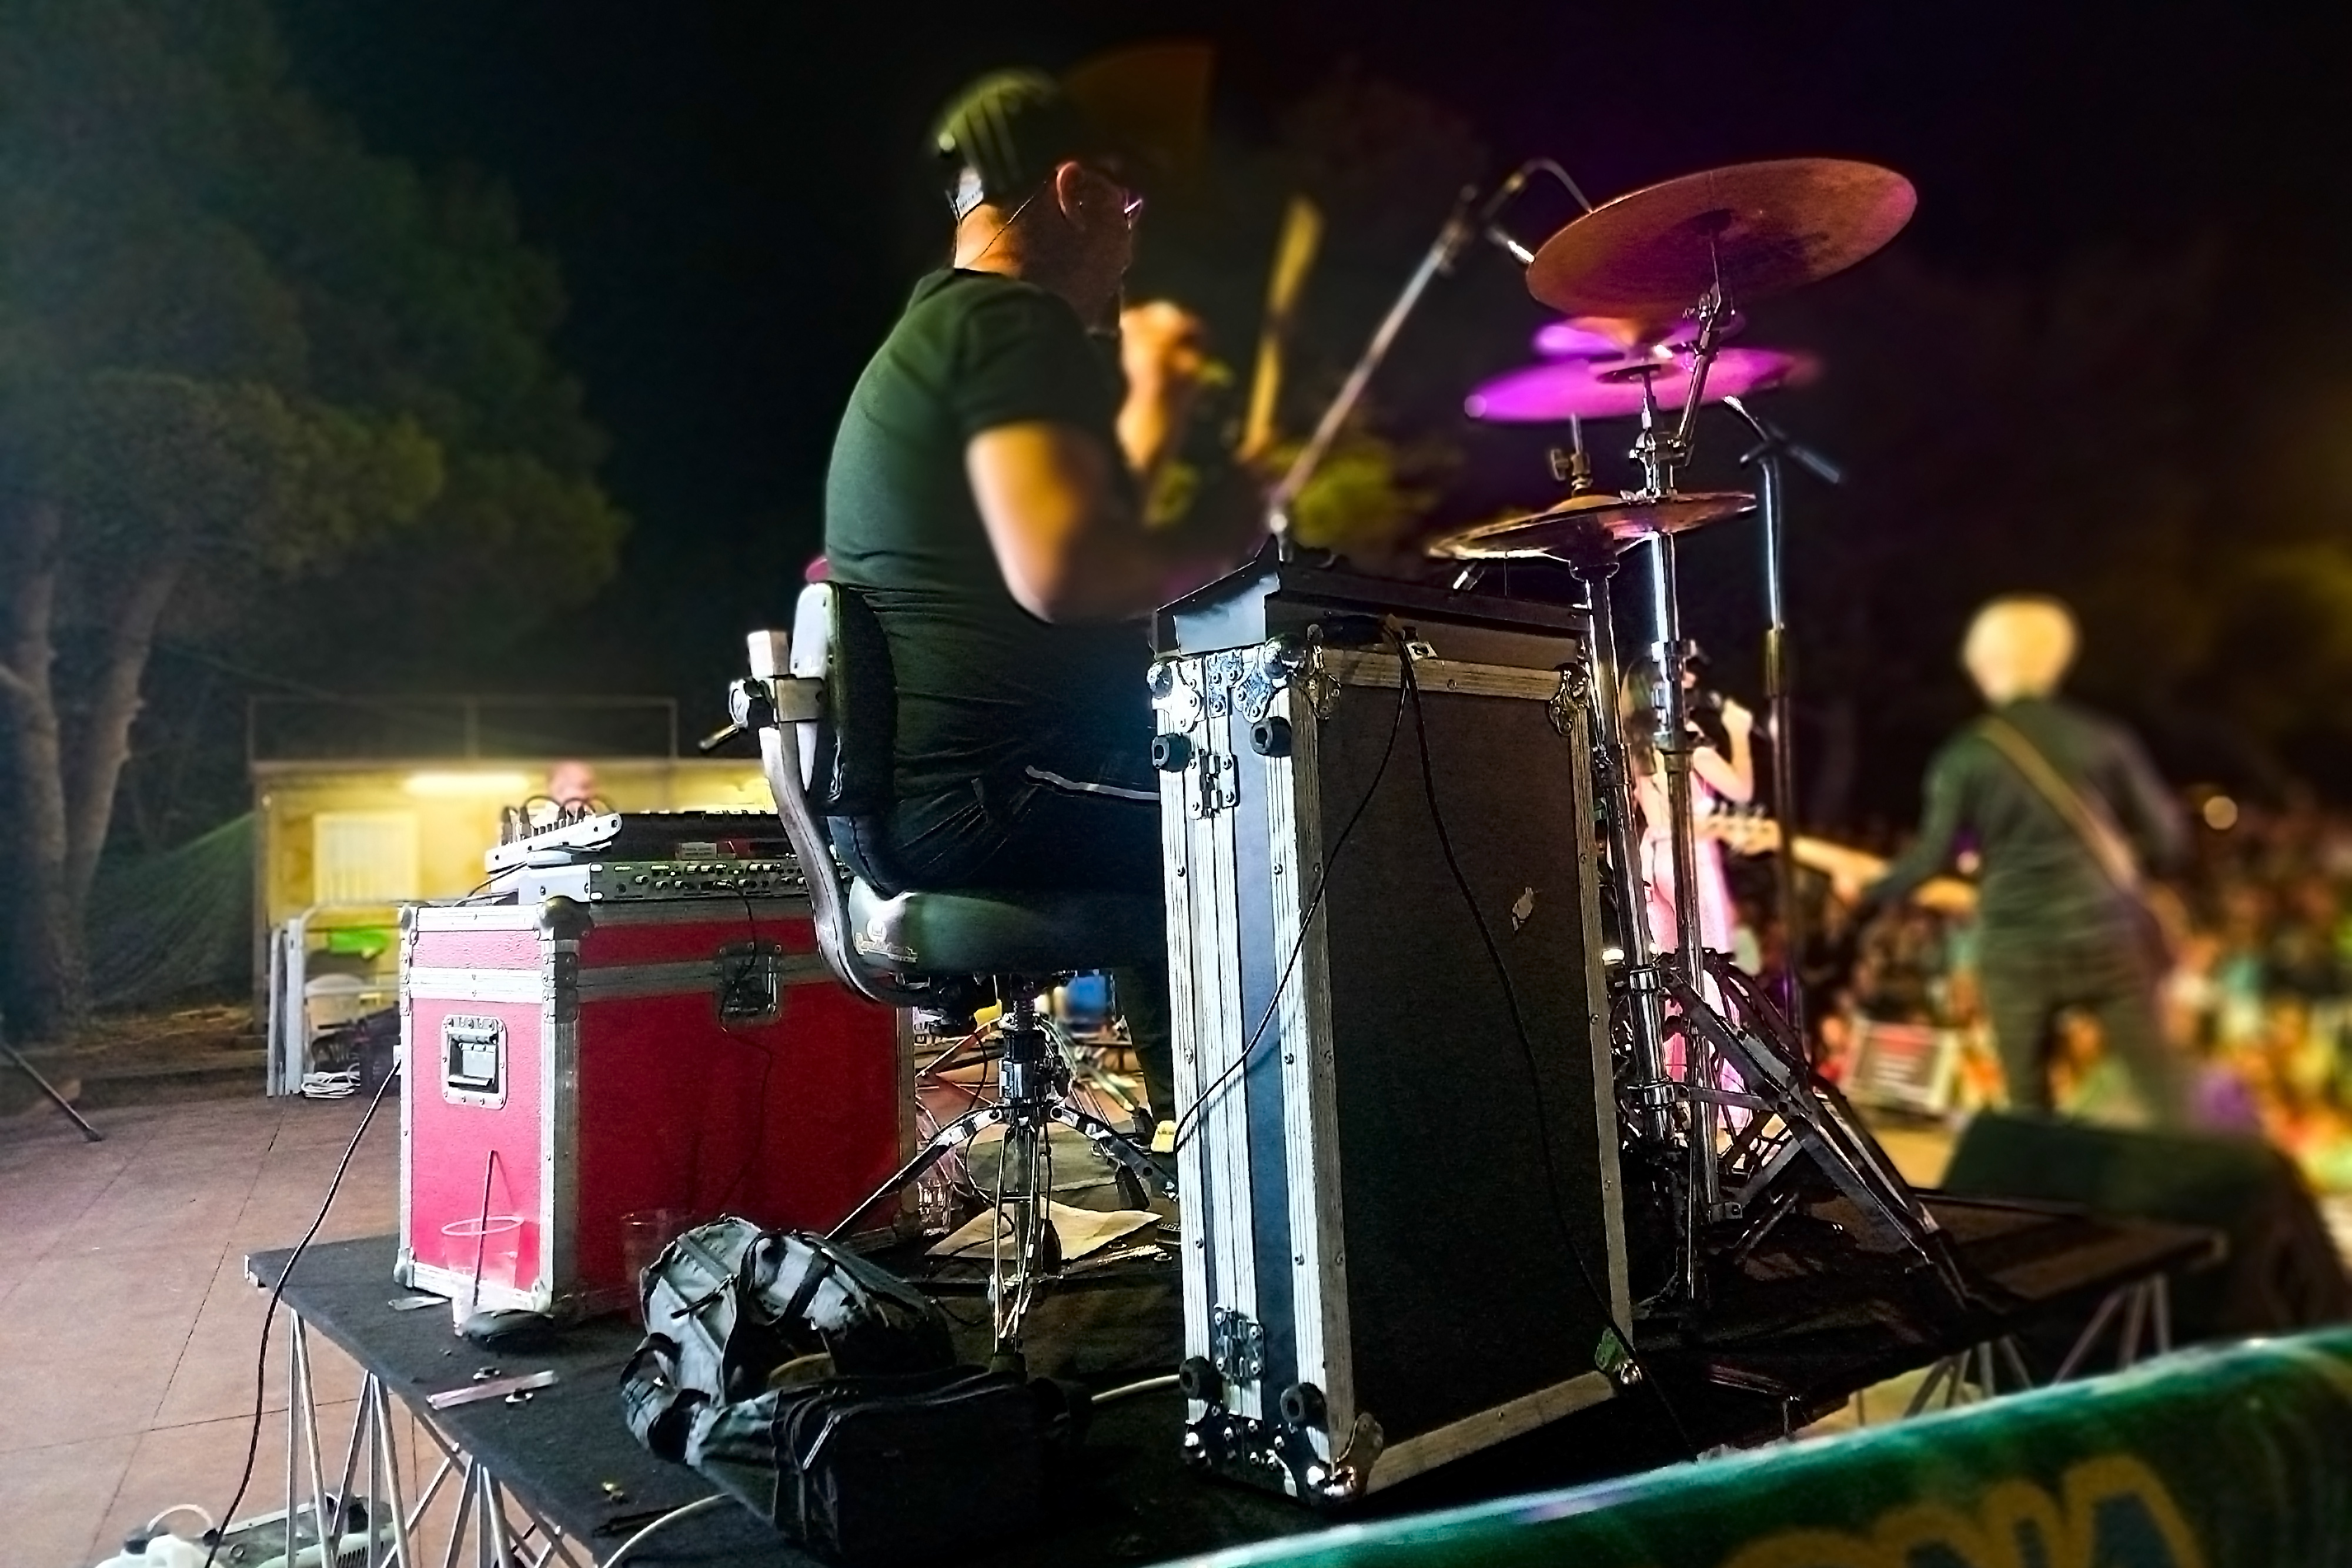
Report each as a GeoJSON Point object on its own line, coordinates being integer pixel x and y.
{"type": "Point", "coordinates": [2019, 645]}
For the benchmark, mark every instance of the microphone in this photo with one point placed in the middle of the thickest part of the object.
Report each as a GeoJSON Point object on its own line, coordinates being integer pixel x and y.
{"type": "Point", "coordinates": [1462, 228]}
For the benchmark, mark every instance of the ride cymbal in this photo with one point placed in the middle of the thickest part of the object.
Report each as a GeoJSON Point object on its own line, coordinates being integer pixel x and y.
{"type": "Point", "coordinates": [1761, 228]}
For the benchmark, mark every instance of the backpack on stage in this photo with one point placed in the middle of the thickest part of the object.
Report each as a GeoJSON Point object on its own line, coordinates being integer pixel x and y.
{"type": "Point", "coordinates": [822, 1393]}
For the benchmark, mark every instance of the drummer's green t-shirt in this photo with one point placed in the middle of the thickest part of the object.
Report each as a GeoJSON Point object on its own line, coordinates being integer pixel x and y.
{"type": "Point", "coordinates": [984, 688]}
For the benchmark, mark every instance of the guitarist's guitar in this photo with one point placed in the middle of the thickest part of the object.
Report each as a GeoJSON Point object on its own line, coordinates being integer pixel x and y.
{"type": "Point", "coordinates": [1749, 831]}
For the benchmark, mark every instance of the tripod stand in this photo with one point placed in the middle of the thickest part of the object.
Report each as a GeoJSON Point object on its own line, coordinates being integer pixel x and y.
{"type": "Point", "coordinates": [1035, 1099]}
{"type": "Point", "coordinates": [88, 1133]}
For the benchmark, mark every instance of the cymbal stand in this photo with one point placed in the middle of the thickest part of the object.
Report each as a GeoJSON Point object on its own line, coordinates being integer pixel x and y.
{"type": "Point", "coordinates": [1660, 454]}
{"type": "Point", "coordinates": [1785, 1111]}
{"type": "Point", "coordinates": [1780, 678]}
{"type": "Point", "coordinates": [1650, 1097]}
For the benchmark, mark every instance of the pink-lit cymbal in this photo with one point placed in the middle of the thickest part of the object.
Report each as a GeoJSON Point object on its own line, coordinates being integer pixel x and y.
{"type": "Point", "coordinates": [1761, 228]}
{"type": "Point", "coordinates": [1583, 525]}
{"type": "Point", "coordinates": [1595, 338]}
{"type": "Point", "coordinates": [1600, 389]}
{"type": "Point", "coordinates": [1610, 338]}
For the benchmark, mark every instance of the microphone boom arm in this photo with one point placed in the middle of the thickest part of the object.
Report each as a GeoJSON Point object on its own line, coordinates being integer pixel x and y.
{"type": "Point", "coordinates": [1460, 227]}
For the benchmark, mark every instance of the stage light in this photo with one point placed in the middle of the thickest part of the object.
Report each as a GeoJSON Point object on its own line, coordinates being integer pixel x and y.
{"type": "Point", "coordinates": [2220, 813]}
{"type": "Point", "coordinates": [506, 786]}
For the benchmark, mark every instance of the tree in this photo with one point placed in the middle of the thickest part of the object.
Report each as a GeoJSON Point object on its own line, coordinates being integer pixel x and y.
{"type": "Point", "coordinates": [239, 356]}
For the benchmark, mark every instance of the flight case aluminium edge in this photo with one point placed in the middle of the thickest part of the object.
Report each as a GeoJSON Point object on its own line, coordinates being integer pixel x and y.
{"type": "Point", "coordinates": [1375, 1281]}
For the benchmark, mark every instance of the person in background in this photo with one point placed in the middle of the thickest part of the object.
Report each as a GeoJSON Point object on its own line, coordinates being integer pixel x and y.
{"type": "Point", "coordinates": [572, 784]}
{"type": "Point", "coordinates": [2066, 811]}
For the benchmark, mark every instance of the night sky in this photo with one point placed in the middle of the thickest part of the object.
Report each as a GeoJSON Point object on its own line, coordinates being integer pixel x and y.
{"type": "Point", "coordinates": [735, 191]}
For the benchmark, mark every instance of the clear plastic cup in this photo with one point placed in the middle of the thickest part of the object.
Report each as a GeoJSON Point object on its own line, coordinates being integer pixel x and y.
{"type": "Point", "coordinates": [486, 1254]}
{"type": "Point", "coordinates": [644, 1234]}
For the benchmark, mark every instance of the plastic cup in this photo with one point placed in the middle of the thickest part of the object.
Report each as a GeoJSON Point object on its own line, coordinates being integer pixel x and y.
{"type": "Point", "coordinates": [644, 1234]}
{"type": "Point", "coordinates": [485, 1255]}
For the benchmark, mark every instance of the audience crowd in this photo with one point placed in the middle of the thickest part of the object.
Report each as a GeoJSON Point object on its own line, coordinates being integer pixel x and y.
{"type": "Point", "coordinates": [2258, 995]}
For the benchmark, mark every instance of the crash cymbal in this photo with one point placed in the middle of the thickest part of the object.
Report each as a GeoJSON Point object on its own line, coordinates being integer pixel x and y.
{"type": "Point", "coordinates": [1583, 525]}
{"type": "Point", "coordinates": [1606, 389]}
{"type": "Point", "coordinates": [1761, 227]}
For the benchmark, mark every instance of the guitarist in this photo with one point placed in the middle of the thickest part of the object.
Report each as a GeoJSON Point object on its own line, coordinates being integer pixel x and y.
{"type": "Point", "coordinates": [2064, 811]}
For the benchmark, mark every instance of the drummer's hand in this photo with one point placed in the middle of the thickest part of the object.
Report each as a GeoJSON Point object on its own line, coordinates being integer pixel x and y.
{"type": "Point", "coordinates": [1736, 720]}
{"type": "Point", "coordinates": [1164, 349]}
{"type": "Point", "coordinates": [1845, 889]}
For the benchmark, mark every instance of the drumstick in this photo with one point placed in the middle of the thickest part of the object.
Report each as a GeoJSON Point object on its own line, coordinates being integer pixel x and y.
{"type": "Point", "coordinates": [1293, 253]}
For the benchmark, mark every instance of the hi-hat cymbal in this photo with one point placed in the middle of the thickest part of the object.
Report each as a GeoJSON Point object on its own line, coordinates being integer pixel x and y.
{"type": "Point", "coordinates": [1584, 526]}
{"type": "Point", "coordinates": [1607, 389]}
{"type": "Point", "coordinates": [1761, 227]}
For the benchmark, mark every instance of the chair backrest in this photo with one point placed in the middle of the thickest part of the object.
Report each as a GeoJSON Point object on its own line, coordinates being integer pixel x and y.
{"type": "Point", "coordinates": [803, 746]}
{"type": "Point", "coordinates": [837, 640]}
{"type": "Point", "coordinates": [846, 755]}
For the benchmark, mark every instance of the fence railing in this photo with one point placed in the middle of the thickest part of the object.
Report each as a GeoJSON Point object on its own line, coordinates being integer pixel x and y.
{"type": "Point", "coordinates": [460, 725]}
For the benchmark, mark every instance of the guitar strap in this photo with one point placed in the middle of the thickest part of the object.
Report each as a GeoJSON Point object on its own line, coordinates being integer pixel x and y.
{"type": "Point", "coordinates": [2082, 810]}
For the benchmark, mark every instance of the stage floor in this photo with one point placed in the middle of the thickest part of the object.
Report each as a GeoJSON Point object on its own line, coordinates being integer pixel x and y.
{"type": "Point", "coordinates": [121, 1271]}
{"type": "Point", "coordinates": [1785, 1340]}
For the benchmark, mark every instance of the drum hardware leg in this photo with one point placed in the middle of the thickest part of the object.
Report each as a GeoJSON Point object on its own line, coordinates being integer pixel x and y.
{"type": "Point", "coordinates": [1773, 1069]}
{"type": "Point", "coordinates": [1672, 740]}
{"type": "Point", "coordinates": [1650, 1095]}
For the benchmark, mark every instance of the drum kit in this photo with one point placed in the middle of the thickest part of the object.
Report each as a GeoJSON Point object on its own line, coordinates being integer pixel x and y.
{"type": "Point", "coordinates": [1649, 285]}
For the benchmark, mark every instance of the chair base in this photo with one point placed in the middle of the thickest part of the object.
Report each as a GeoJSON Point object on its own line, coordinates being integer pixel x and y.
{"type": "Point", "coordinates": [1037, 1090]}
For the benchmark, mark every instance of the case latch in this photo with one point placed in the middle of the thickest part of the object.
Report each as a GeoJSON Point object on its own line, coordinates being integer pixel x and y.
{"type": "Point", "coordinates": [1218, 785]}
{"type": "Point", "coordinates": [1236, 1344]}
{"type": "Point", "coordinates": [473, 1059]}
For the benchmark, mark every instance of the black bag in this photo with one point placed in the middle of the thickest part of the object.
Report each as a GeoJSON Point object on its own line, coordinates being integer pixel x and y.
{"type": "Point", "coordinates": [878, 1469]}
{"type": "Point", "coordinates": [729, 1309]}
{"type": "Point", "coordinates": [821, 1391]}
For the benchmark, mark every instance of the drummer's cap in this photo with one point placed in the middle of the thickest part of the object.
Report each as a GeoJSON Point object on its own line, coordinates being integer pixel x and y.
{"type": "Point", "coordinates": [1140, 114]}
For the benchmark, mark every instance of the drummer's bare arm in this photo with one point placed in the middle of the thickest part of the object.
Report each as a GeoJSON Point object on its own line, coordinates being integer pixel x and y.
{"type": "Point", "coordinates": [1163, 353]}
{"type": "Point", "coordinates": [1732, 777]}
{"type": "Point", "coordinates": [1068, 536]}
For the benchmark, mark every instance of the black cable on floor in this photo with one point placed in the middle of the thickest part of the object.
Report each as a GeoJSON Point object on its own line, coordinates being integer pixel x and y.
{"type": "Point", "coordinates": [269, 1313]}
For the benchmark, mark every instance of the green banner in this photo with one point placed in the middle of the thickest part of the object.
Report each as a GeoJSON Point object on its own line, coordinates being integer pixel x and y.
{"type": "Point", "coordinates": [2209, 1458]}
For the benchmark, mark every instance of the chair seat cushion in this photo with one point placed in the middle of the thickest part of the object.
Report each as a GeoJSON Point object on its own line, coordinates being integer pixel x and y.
{"type": "Point", "coordinates": [1003, 932]}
